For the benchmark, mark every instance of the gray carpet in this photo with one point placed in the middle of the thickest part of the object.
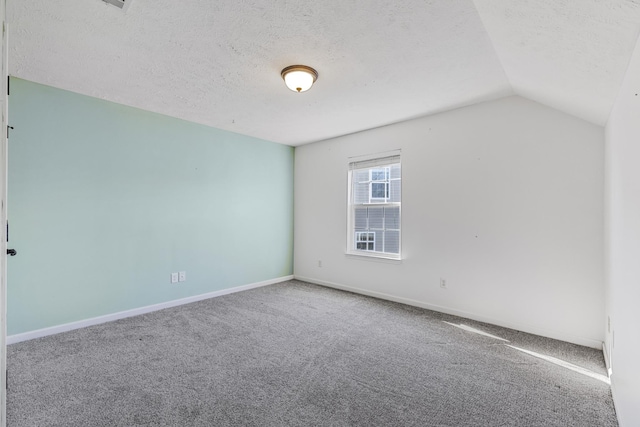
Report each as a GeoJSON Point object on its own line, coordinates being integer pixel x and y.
{"type": "Point", "coordinates": [295, 354]}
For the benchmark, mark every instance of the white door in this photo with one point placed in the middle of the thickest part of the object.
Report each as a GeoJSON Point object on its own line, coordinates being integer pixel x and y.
{"type": "Point", "coordinates": [3, 222]}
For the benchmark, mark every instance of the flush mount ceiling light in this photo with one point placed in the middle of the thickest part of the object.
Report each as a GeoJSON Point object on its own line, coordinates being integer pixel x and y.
{"type": "Point", "coordinates": [299, 78]}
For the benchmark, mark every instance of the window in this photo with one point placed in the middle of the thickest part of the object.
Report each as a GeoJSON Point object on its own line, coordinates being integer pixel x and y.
{"type": "Point", "coordinates": [374, 207]}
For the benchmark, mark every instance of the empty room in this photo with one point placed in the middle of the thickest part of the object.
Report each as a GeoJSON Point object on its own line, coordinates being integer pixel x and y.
{"type": "Point", "coordinates": [292, 213]}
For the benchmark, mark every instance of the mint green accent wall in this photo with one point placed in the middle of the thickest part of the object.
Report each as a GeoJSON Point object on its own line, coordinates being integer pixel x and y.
{"type": "Point", "coordinates": [105, 201]}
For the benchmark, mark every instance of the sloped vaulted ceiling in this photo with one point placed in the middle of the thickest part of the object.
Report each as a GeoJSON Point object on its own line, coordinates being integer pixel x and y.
{"type": "Point", "coordinates": [571, 55]}
{"type": "Point", "coordinates": [218, 62]}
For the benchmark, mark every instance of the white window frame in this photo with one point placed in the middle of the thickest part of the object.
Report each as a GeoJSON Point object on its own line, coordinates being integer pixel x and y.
{"type": "Point", "coordinates": [377, 161]}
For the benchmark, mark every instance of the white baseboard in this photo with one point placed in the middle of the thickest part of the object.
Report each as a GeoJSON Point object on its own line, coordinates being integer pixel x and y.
{"type": "Point", "coordinates": [587, 342]}
{"type": "Point", "coordinates": [12, 339]}
{"type": "Point", "coordinates": [614, 397]}
{"type": "Point", "coordinates": [605, 352]}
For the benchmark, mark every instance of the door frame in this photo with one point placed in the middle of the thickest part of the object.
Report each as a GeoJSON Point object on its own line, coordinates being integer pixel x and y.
{"type": "Point", "coordinates": [3, 218]}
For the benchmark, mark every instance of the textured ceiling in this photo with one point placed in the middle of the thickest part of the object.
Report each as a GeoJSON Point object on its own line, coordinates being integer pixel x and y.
{"type": "Point", "coordinates": [218, 62]}
{"type": "Point", "coordinates": [568, 54]}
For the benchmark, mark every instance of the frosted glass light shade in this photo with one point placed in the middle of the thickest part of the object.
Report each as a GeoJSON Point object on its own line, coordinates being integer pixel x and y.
{"type": "Point", "coordinates": [299, 78]}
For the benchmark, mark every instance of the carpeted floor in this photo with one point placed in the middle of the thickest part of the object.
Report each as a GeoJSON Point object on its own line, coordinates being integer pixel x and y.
{"type": "Point", "coordinates": [296, 354]}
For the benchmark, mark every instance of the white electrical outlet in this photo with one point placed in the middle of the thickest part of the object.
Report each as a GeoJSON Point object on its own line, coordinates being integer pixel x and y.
{"type": "Point", "coordinates": [443, 283]}
{"type": "Point", "coordinates": [174, 277]}
{"type": "Point", "coordinates": [182, 276]}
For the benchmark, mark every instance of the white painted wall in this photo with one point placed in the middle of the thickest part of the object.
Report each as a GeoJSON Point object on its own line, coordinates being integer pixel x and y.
{"type": "Point", "coordinates": [504, 200]}
{"type": "Point", "coordinates": [622, 238]}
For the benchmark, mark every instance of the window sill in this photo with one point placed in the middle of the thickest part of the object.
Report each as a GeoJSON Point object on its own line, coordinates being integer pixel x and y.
{"type": "Point", "coordinates": [375, 258]}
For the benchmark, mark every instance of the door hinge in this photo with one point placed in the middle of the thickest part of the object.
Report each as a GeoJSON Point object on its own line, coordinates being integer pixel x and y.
{"type": "Point", "coordinates": [8, 127]}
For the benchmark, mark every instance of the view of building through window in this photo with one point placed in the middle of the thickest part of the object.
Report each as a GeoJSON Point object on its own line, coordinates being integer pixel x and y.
{"type": "Point", "coordinates": [374, 207]}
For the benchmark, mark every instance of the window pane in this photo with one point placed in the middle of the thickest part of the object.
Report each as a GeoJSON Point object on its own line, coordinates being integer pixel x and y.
{"type": "Point", "coordinates": [379, 190]}
{"type": "Point", "coordinates": [361, 175]}
{"type": "Point", "coordinates": [360, 220]}
{"type": "Point", "coordinates": [395, 191]}
{"type": "Point", "coordinates": [392, 242]}
{"type": "Point", "coordinates": [361, 192]}
{"type": "Point", "coordinates": [378, 242]}
{"type": "Point", "coordinates": [392, 218]}
{"type": "Point", "coordinates": [376, 216]}
{"type": "Point", "coordinates": [378, 175]}
{"type": "Point", "coordinates": [395, 171]}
